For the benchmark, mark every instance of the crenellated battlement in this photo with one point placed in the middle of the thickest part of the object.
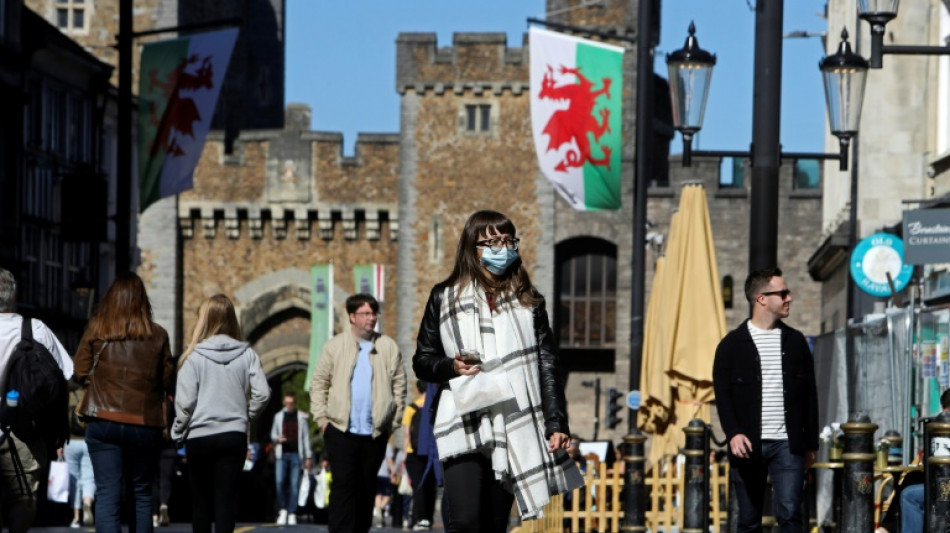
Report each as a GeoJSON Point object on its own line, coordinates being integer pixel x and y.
{"type": "Point", "coordinates": [476, 62]}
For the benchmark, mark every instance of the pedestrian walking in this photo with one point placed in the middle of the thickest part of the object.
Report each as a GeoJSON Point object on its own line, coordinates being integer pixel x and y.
{"type": "Point", "coordinates": [764, 377]}
{"type": "Point", "coordinates": [501, 421]}
{"type": "Point", "coordinates": [291, 434]}
{"type": "Point", "coordinates": [126, 365]}
{"type": "Point", "coordinates": [357, 396]}
{"type": "Point", "coordinates": [221, 387]}
{"type": "Point", "coordinates": [18, 490]}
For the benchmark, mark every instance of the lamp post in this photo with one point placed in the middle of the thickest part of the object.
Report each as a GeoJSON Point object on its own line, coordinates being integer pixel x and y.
{"type": "Point", "coordinates": [845, 74]}
{"type": "Point", "coordinates": [878, 13]}
{"type": "Point", "coordinates": [690, 71]}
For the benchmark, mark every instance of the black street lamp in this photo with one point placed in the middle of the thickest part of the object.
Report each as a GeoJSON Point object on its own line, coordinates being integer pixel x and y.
{"type": "Point", "coordinates": [690, 69]}
{"type": "Point", "coordinates": [844, 74]}
{"type": "Point", "coordinates": [878, 13]}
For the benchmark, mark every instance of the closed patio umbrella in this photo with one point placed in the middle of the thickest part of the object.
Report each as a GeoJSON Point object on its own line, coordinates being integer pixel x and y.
{"type": "Point", "coordinates": [688, 325]}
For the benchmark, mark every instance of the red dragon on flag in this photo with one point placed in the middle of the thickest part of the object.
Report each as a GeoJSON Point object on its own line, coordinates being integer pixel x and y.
{"type": "Point", "coordinates": [181, 112]}
{"type": "Point", "coordinates": [574, 123]}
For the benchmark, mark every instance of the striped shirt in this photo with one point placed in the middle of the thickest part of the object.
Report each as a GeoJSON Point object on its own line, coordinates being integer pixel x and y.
{"type": "Point", "coordinates": [769, 344]}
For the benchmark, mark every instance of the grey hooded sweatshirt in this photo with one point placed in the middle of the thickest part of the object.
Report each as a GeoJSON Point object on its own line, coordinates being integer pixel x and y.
{"type": "Point", "coordinates": [221, 386]}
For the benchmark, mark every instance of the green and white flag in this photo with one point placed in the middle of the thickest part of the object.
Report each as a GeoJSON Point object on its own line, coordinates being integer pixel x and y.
{"type": "Point", "coordinates": [178, 89]}
{"type": "Point", "coordinates": [576, 117]}
{"type": "Point", "coordinates": [369, 279]}
{"type": "Point", "coordinates": [321, 314]}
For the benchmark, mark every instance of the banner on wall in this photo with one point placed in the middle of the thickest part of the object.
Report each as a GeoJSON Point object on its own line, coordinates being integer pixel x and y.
{"type": "Point", "coordinates": [369, 279]}
{"type": "Point", "coordinates": [321, 314]}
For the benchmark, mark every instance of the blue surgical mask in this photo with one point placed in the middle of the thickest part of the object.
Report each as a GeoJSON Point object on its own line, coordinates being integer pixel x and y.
{"type": "Point", "coordinates": [498, 262]}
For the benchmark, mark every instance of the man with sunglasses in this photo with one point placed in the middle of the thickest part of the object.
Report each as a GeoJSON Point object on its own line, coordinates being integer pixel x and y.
{"type": "Point", "coordinates": [764, 378]}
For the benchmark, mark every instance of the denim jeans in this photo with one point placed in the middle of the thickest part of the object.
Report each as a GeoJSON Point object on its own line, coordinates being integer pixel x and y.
{"type": "Point", "coordinates": [82, 484]}
{"type": "Point", "coordinates": [912, 509]}
{"type": "Point", "coordinates": [787, 472]}
{"type": "Point", "coordinates": [288, 481]}
{"type": "Point", "coordinates": [119, 452]}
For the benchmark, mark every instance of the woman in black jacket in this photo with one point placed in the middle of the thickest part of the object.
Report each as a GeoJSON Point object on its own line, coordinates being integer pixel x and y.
{"type": "Point", "coordinates": [500, 422]}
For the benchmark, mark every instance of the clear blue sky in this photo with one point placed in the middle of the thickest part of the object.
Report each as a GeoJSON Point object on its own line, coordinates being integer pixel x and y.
{"type": "Point", "coordinates": [341, 59]}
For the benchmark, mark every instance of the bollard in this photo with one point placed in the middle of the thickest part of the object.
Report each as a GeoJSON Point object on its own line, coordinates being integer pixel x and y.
{"type": "Point", "coordinates": [937, 474]}
{"type": "Point", "coordinates": [857, 487]}
{"type": "Point", "coordinates": [895, 450]}
{"type": "Point", "coordinates": [696, 488]}
{"type": "Point", "coordinates": [634, 489]}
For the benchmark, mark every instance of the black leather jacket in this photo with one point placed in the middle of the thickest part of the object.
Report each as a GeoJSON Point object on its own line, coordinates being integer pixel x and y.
{"type": "Point", "coordinates": [432, 364]}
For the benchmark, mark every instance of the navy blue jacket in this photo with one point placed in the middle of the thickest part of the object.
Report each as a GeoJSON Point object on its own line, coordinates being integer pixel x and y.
{"type": "Point", "coordinates": [737, 378]}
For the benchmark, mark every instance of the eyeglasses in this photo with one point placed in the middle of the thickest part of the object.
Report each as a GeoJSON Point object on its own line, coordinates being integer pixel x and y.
{"type": "Point", "coordinates": [783, 294]}
{"type": "Point", "coordinates": [497, 244]}
{"type": "Point", "coordinates": [362, 314]}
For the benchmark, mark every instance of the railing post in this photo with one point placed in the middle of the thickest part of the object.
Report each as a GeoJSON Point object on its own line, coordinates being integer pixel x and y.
{"type": "Point", "coordinates": [937, 474]}
{"type": "Point", "coordinates": [634, 488]}
{"type": "Point", "coordinates": [857, 492]}
{"type": "Point", "coordinates": [696, 488]}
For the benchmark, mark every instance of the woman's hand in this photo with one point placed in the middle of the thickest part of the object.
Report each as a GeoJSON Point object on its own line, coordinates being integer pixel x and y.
{"type": "Point", "coordinates": [464, 369]}
{"type": "Point", "coordinates": [558, 441]}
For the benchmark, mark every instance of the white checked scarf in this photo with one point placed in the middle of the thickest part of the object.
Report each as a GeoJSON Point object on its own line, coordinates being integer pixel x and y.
{"type": "Point", "coordinates": [498, 411]}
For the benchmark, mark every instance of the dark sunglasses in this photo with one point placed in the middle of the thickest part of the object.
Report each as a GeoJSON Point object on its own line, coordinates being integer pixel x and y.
{"type": "Point", "coordinates": [781, 294]}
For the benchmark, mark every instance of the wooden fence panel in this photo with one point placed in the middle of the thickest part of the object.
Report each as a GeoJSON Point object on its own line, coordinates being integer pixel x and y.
{"type": "Point", "coordinates": [597, 506]}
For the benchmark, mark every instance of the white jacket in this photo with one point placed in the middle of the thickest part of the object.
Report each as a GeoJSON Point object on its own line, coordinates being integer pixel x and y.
{"type": "Point", "coordinates": [303, 434]}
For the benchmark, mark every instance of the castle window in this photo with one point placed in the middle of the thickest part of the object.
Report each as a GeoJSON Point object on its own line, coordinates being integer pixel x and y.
{"type": "Point", "coordinates": [71, 15]}
{"type": "Point", "coordinates": [586, 303]}
{"type": "Point", "coordinates": [478, 117]}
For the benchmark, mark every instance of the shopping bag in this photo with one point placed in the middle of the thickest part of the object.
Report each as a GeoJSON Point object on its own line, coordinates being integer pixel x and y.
{"type": "Point", "coordinates": [304, 489]}
{"type": "Point", "coordinates": [58, 488]}
{"type": "Point", "coordinates": [404, 487]}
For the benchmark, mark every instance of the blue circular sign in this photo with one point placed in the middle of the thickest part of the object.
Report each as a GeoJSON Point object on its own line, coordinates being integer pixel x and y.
{"type": "Point", "coordinates": [874, 258]}
{"type": "Point", "coordinates": [633, 399]}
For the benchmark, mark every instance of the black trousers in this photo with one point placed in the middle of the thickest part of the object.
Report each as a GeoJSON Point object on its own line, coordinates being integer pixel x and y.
{"type": "Point", "coordinates": [214, 465]}
{"type": "Point", "coordinates": [354, 461]}
{"type": "Point", "coordinates": [423, 491]}
{"type": "Point", "coordinates": [162, 483]}
{"type": "Point", "coordinates": [477, 502]}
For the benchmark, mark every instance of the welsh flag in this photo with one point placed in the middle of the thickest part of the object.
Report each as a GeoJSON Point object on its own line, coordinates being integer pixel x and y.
{"type": "Point", "coordinates": [178, 88]}
{"type": "Point", "coordinates": [576, 93]}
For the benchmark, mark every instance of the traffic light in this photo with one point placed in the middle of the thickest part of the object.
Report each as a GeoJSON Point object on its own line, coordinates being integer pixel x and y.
{"type": "Point", "coordinates": [613, 407]}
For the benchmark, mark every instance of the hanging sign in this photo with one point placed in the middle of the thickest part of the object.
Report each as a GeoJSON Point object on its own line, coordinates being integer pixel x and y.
{"type": "Point", "coordinates": [927, 236]}
{"type": "Point", "coordinates": [874, 258]}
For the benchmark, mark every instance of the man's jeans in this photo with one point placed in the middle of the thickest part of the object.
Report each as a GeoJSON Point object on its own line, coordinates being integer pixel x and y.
{"type": "Point", "coordinates": [786, 470]}
{"type": "Point", "coordinates": [912, 509]}
{"type": "Point", "coordinates": [118, 449]}
{"type": "Point", "coordinates": [288, 469]}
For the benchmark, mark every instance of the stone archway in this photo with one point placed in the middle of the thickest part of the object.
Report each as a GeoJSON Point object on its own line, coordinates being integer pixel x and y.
{"type": "Point", "coordinates": [274, 312]}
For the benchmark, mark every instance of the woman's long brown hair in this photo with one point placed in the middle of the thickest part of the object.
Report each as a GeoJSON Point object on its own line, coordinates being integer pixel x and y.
{"type": "Point", "coordinates": [124, 312]}
{"type": "Point", "coordinates": [515, 281]}
{"type": "Point", "coordinates": [216, 316]}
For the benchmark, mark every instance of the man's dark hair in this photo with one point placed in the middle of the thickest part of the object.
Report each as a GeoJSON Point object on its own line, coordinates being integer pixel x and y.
{"type": "Point", "coordinates": [421, 386]}
{"type": "Point", "coordinates": [759, 279]}
{"type": "Point", "coordinates": [291, 395]}
{"type": "Point", "coordinates": [945, 399]}
{"type": "Point", "coordinates": [353, 303]}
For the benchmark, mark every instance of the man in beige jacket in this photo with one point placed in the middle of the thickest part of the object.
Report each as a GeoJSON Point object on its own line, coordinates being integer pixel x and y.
{"type": "Point", "coordinates": [357, 396]}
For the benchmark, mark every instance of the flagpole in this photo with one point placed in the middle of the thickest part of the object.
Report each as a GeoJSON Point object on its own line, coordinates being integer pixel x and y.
{"type": "Point", "coordinates": [643, 171]}
{"type": "Point", "coordinates": [124, 173]}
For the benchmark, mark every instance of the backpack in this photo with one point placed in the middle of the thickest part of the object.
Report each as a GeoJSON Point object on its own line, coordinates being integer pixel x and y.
{"type": "Point", "coordinates": [42, 413]}
{"type": "Point", "coordinates": [414, 427]}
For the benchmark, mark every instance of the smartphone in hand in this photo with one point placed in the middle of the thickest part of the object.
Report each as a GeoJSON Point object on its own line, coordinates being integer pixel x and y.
{"type": "Point", "coordinates": [471, 357]}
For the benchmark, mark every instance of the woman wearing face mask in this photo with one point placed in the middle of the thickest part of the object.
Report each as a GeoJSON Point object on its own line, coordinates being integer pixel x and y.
{"type": "Point", "coordinates": [501, 422]}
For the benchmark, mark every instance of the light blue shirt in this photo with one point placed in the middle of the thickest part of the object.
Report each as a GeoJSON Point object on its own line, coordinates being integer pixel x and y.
{"type": "Point", "coordinates": [361, 393]}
